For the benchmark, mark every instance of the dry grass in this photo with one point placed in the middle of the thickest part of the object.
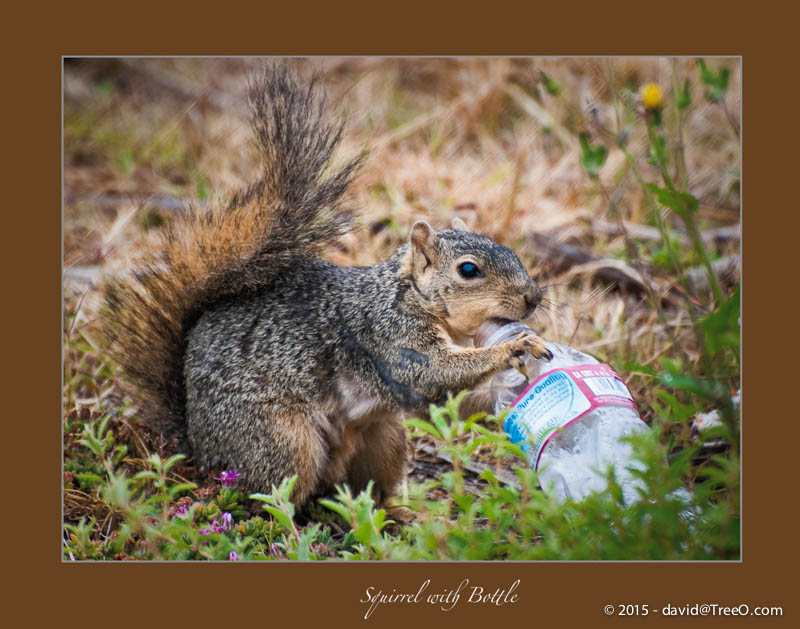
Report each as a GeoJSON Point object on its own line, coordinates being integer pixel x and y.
{"type": "Point", "coordinates": [478, 139]}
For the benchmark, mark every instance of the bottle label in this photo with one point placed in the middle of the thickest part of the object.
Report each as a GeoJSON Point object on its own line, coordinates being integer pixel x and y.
{"type": "Point", "coordinates": [559, 397]}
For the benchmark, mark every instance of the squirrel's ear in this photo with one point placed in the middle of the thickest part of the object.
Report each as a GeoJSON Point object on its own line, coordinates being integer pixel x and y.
{"type": "Point", "coordinates": [459, 225]}
{"type": "Point", "coordinates": [423, 242]}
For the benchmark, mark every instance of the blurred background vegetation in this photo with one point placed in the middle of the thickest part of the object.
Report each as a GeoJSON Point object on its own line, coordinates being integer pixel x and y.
{"type": "Point", "coordinates": [618, 200]}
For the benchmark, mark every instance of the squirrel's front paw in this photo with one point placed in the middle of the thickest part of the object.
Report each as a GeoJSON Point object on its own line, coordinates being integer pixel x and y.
{"type": "Point", "coordinates": [515, 362]}
{"type": "Point", "coordinates": [533, 345]}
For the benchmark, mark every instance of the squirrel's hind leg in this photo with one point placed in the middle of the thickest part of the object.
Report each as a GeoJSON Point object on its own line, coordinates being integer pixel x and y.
{"type": "Point", "coordinates": [281, 443]}
{"type": "Point", "coordinates": [308, 451]}
{"type": "Point", "coordinates": [381, 456]}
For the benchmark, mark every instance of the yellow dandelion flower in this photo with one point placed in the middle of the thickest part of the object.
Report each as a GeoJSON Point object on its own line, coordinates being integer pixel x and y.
{"type": "Point", "coordinates": [652, 96]}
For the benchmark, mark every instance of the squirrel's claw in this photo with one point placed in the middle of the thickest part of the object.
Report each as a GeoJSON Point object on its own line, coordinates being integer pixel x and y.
{"type": "Point", "coordinates": [517, 363]}
{"type": "Point", "coordinates": [535, 347]}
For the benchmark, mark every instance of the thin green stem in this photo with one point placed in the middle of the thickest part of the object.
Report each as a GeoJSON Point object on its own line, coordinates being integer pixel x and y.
{"type": "Point", "coordinates": [672, 256]}
{"type": "Point", "coordinates": [687, 216]}
{"type": "Point", "coordinates": [680, 153]}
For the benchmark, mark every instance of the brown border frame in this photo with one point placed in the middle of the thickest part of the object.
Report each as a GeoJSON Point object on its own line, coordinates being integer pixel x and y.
{"type": "Point", "coordinates": [304, 593]}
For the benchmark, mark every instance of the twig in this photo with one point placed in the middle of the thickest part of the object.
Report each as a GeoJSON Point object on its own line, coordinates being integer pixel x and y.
{"type": "Point", "coordinates": [535, 111]}
{"type": "Point", "coordinates": [567, 258]}
{"type": "Point", "coordinates": [113, 200]}
{"type": "Point", "coordinates": [511, 209]}
{"type": "Point", "coordinates": [726, 268]}
{"type": "Point", "coordinates": [82, 275]}
{"type": "Point", "coordinates": [577, 326]}
{"type": "Point", "coordinates": [77, 310]}
{"type": "Point", "coordinates": [645, 233]}
{"type": "Point", "coordinates": [71, 556]}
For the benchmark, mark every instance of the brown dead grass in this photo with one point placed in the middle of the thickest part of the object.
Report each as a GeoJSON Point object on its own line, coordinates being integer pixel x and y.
{"type": "Point", "coordinates": [474, 138]}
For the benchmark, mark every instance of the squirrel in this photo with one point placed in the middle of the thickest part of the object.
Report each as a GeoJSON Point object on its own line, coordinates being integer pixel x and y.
{"type": "Point", "coordinates": [270, 359]}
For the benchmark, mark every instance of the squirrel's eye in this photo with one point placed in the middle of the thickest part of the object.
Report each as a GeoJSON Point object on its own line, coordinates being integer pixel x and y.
{"type": "Point", "coordinates": [469, 270]}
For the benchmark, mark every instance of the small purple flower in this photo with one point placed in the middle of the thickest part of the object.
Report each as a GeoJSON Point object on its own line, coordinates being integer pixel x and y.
{"type": "Point", "coordinates": [233, 556]}
{"type": "Point", "coordinates": [228, 479]}
{"type": "Point", "coordinates": [182, 509]}
{"type": "Point", "coordinates": [227, 520]}
{"type": "Point", "coordinates": [215, 528]}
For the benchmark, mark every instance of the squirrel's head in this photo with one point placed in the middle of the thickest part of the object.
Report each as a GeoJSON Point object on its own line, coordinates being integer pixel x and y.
{"type": "Point", "coordinates": [465, 279]}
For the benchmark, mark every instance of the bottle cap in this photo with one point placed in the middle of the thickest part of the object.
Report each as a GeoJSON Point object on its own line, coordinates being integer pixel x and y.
{"type": "Point", "coordinates": [493, 331]}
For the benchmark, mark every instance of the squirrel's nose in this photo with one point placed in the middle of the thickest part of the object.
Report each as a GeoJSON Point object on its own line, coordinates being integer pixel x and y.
{"type": "Point", "coordinates": [532, 298]}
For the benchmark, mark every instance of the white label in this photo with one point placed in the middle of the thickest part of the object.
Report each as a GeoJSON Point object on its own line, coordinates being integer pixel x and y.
{"type": "Point", "coordinates": [607, 386]}
{"type": "Point", "coordinates": [559, 397]}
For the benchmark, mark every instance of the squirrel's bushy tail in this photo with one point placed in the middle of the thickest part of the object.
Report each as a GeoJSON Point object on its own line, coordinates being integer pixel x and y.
{"type": "Point", "coordinates": [293, 209]}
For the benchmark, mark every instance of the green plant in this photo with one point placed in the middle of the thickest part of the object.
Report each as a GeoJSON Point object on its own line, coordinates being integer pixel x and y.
{"type": "Point", "coordinates": [592, 157]}
{"type": "Point", "coordinates": [293, 542]}
{"type": "Point", "coordinates": [126, 497]}
{"type": "Point", "coordinates": [516, 520]}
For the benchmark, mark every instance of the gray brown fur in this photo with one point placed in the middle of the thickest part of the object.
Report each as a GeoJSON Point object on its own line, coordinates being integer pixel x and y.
{"type": "Point", "coordinates": [293, 365]}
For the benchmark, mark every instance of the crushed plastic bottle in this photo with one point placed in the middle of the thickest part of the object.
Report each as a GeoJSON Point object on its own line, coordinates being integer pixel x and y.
{"type": "Point", "coordinates": [571, 413]}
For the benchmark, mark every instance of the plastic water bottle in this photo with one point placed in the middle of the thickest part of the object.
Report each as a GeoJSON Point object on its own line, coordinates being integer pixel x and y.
{"type": "Point", "coordinates": [570, 413]}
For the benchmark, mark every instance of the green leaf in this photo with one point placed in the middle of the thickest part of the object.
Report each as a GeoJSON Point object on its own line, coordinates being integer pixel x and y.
{"type": "Point", "coordinates": [91, 442]}
{"type": "Point", "coordinates": [489, 476]}
{"type": "Point", "coordinates": [707, 389]}
{"type": "Point", "coordinates": [116, 491]}
{"type": "Point", "coordinates": [679, 202]}
{"type": "Point", "coordinates": [464, 501]}
{"type": "Point", "coordinates": [684, 96]}
{"type": "Point", "coordinates": [655, 116]}
{"type": "Point", "coordinates": [592, 157]}
{"type": "Point", "coordinates": [379, 520]}
{"type": "Point", "coordinates": [339, 508]}
{"type": "Point", "coordinates": [658, 149]}
{"type": "Point", "coordinates": [472, 420]}
{"type": "Point", "coordinates": [722, 328]}
{"type": "Point", "coordinates": [177, 489]}
{"type": "Point", "coordinates": [283, 518]}
{"type": "Point", "coordinates": [172, 461]}
{"type": "Point", "coordinates": [552, 86]}
{"type": "Point", "coordinates": [424, 426]}
{"type": "Point", "coordinates": [437, 417]}
{"type": "Point", "coordinates": [715, 82]}
{"type": "Point", "coordinates": [87, 479]}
